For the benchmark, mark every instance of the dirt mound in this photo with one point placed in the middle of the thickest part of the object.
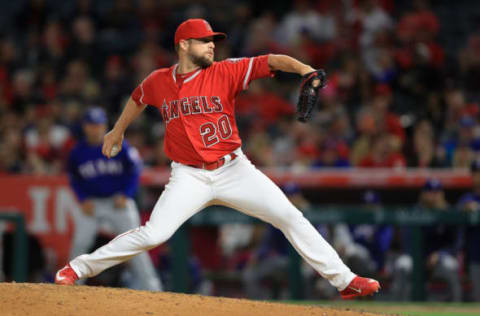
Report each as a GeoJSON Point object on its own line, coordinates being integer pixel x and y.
{"type": "Point", "coordinates": [49, 299]}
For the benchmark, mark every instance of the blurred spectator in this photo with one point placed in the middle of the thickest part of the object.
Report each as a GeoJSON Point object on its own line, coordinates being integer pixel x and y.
{"type": "Point", "coordinates": [370, 18]}
{"type": "Point", "coordinates": [304, 19]}
{"type": "Point", "coordinates": [260, 38]}
{"type": "Point", "coordinates": [469, 64]}
{"type": "Point", "coordinates": [385, 153]}
{"type": "Point", "coordinates": [386, 120]}
{"type": "Point", "coordinates": [23, 91]}
{"type": "Point", "coordinates": [442, 242]}
{"type": "Point", "coordinates": [334, 154]}
{"type": "Point", "coordinates": [84, 46]}
{"type": "Point", "coordinates": [11, 152]}
{"type": "Point", "coordinates": [425, 153]}
{"type": "Point", "coordinates": [47, 144]}
{"type": "Point", "coordinates": [115, 83]}
{"type": "Point", "coordinates": [419, 24]}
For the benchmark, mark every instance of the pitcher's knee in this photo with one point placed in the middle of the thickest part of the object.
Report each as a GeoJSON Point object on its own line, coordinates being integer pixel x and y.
{"type": "Point", "coordinates": [155, 237]}
{"type": "Point", "coordinates": [287, 217]}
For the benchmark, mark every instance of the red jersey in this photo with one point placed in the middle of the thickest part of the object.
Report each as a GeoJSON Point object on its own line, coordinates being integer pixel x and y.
{"type": "Point", "coordinates": [199, 113]}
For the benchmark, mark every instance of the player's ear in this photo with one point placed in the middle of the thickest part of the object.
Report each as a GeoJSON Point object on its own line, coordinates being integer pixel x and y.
{"type": "Point", "coordinates": [183, 44]}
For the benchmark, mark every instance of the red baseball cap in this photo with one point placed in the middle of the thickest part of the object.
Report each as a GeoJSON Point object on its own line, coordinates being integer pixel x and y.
{"type": "Point", "coordinates": [196, 28]}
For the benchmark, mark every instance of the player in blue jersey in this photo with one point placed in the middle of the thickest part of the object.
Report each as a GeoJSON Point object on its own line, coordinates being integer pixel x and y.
{"type": "Point", "coordinates": [105, 189]}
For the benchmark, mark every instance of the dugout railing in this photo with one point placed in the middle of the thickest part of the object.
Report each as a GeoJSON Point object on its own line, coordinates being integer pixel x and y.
{"type": "Point", "coordinates": [402, 216]}
{"type": "Point", "coordinates": [19, 261]}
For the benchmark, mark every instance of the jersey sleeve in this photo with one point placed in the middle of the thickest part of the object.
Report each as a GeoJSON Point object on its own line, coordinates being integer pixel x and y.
{"type": "Point", "coordinates": [244, 70]}
{"type": "Point", "coordinates": [144, 92]}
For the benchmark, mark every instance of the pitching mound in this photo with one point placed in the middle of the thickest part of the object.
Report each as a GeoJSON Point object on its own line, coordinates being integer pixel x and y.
{"type": "Point", "coordinates": [49, 299]}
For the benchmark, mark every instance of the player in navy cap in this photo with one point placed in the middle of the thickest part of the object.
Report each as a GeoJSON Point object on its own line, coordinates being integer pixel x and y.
{"type": "Point", "coordinates": [95, 115]}
{"type": "Point", "coordinates": [105, 189]}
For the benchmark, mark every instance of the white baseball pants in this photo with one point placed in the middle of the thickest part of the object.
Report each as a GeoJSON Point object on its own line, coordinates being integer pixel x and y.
{"type": "Point", "coordinates": [237, 184]}
{"type": "Point", "coordinates": [116, 221]}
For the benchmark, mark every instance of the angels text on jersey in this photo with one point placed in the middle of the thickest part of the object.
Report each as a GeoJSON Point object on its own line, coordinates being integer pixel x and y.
{"type": "Point", "coordinates": [190, 106]}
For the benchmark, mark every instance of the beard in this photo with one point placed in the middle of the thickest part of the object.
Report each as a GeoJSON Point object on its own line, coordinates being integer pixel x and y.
{"type": "Point", "coordinates": [200, 61]}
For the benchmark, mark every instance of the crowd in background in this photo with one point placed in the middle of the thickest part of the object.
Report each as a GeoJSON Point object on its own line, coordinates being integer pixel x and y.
{"type": "Point", "coordinates": [401, 93]}
{"type": "Point", "coordinates": [396, 96]}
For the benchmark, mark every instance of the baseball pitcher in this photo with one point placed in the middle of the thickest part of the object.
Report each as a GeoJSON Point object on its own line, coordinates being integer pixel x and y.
{"type": "Point", "coordinates": [196, 97]}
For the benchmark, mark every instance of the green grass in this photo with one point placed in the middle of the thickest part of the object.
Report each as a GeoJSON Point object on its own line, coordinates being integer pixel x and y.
{"type": "Point", "coordinates": [400, 308]}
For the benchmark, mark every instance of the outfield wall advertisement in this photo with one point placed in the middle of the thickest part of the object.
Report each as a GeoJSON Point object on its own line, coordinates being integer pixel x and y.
{"type": "Point", "coordinates": [50, 209]}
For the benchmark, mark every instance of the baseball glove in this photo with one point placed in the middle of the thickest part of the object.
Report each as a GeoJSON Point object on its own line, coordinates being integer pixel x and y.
{"type": "Point", "coordinates": [309, 91]}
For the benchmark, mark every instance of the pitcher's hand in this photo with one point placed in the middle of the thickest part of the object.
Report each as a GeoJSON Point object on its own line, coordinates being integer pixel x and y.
{"type": "Point", "coordinates": [111, 139]}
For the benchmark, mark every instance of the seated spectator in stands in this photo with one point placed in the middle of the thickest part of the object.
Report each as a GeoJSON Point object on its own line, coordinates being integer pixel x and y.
{"type": "Point", "coordinates": [71, 117]}
{"type": "Point", "coordinates": [384, 153]}
{"type": "Point", "coordinates": [84, 45]}
{"type": "Point", "coordinates": [11, 157]}
{"type": "Point", "coordinates": [416, 30]}
{"type": "Point", "coordinates": [457, 109]}
{"type": "Point", "coordinates": [365, 125]}
{"type": "Point", "coordinates": [308, 141]}
{"type": "Point", "coordinates": [53, 44]}
{"type": "Point", "coordinates": [115, 83]}
{"type": "Point", "coordinates": [441, 242]}
{"type": "Point", "coordinates": [369, 17]}
{"type": "Point", "coordinates": [460, 148]}
{"type": "Point", "coordinates": [470, 202]}
{"type": "Point", "coordinates": [420, 20]}
{"type": "Point", "coordinates": [381, 64]}
{"type": "Point", "coordinates": [47, 144]}
{"type": "Point", "coordinates": [260, 37]}
{"type": "Point", "coordinates": [385, 119]}
{"type": "Point", "coordinates": [77, 84]}
{"type": "Point", "coordinates": [334, 154]}
{"type": "Point", "coordinates": [23, 92]}
{"type": "Point", "coordinates": [303, 18]}
{"type": "Point", "coordinates": [349, 80]}
{"type": "Point", "coordinates": [284, 143]}
{"type": "Point", "coordinates": [463, 156]}
{"type": "Point", "coordinates": [469, 63]}
{"type": "Point", "coordinates": [422, 150]}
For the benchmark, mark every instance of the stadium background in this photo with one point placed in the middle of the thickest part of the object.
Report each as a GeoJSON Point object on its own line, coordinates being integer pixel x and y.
{"type": "Point", "coordinates": [401, 101]}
